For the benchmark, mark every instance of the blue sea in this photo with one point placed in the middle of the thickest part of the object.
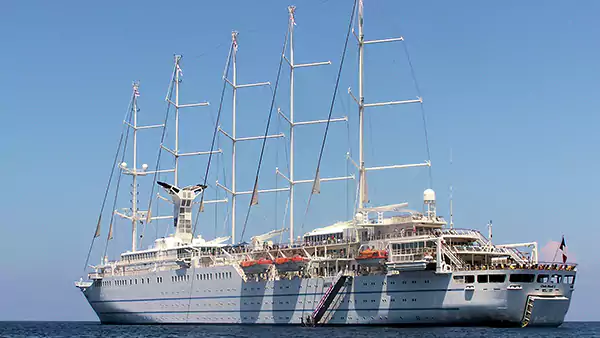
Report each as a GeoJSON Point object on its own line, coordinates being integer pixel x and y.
{"type": "Point", "coordinates": [79, 329]}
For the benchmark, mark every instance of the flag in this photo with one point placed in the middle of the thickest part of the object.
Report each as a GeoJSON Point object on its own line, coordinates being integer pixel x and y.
{"type": "Point", "coordinates": [365, 193]}
{"type": "Point", "coordinates": [292, 9]}
{"type": "Point", "coordinates": [110, 231]}
{"type": "Point", "coordinates": [316, 189]}
{"type": "Point", "coordinates": [179, 69]}
{"type": "Point", "coordinates": [562, 248]}
{"type": "Point", "coordinates": [136, 92]}
{"type": "Point", "coordinates": [234, 35]}
{"type": "Point", "coordinates": [360, 9]}
{"type": "Point", "coordinates": [97, 234]}
{"type": "Point", "coordinates": [254, 200]}
{"type": "Point", "coordinates": [201, 206]}
{"type": "Point", "coordinates": [149, 216]}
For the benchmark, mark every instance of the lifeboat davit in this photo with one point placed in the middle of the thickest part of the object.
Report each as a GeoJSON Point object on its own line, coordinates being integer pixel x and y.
{"type": "Point", "coordinates": [296, 263]}
{"type": "Point", "coordinates": [372, 257]}
{"type": "Point", "coordinates": [256, 266]}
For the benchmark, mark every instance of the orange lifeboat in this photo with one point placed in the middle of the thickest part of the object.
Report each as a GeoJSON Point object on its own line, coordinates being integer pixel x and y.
{"type": "Point", "coordinates": [282, 260]}
{"type": "Point", "coordinates": [372, 257]}
{"type": "Point", "coordinates": [249, 263]}
{"type": "Point", "coordinates": [256, 266]}
{"type": "Point", "coordinates": [299, 259]}
{"type": "Point", "coordinates": [264, 261]}
{"type": "Point", "coordinates": [287, 264]}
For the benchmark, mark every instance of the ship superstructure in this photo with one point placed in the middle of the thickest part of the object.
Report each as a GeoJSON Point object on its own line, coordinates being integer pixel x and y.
{"type": "Point", "coordinates": [388, 265]}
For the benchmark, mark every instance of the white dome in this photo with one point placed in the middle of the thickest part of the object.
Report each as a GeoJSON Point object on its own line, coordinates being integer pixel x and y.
{"type": "Point", "coordinates": [429, 195]}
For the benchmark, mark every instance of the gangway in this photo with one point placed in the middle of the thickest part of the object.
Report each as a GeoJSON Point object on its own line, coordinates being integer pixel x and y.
{"type": "Point", "coordinates": [328, 298]}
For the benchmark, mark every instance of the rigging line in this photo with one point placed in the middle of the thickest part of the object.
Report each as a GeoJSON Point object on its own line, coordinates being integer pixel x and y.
{"type": "Point", "coordinates": [212, 146]}
{"type": "Point", "coordinates": [162, 140]}
{"type": "Point", "coordinates": [335, 91]}
{"type": "Point", "coordinates": [216, 191]}
{"type": "Point", "coordinates": [112, 171]}
{"type": "Point", "coordinates": [214, 136]}
{"type": "Point", "coordinates": [287, 161]}
{"type": "Point", "coordinates": [262, 151]}
{"type": "Point", "coordinates": [112, 218]}
{"type": "Point", "coordinates": [416, 83]}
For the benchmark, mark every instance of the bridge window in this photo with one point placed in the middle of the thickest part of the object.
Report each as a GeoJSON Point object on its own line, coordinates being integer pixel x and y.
{"type": "Point", "coordinates": [521, 278]}
{"type": "Point", "coordinates": [555, 279]}
{"type": "Point", "coordinates": [543, 278]}
{"type": "Point", "coordinates": [497, 278]}
{"type": "Point", "coordinates": [482, 278]}
{"type": "Point", "coordinates": [569, 279]}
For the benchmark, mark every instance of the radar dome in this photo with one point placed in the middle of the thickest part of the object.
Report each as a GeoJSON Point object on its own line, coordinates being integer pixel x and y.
{"type": "Point", "coordinates": [429, 195]}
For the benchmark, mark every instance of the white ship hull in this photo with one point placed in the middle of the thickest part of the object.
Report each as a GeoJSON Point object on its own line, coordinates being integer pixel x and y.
{"type": "Point", "coordinates": [410, 298]}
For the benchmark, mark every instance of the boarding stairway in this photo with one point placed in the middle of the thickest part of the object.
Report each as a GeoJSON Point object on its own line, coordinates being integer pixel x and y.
{"type": "Point", "coordinates": [528, 311]}
{"type": "Point", "coordinates": [453, 258]}
{"type": "Point", "coordinates": [328, 299]}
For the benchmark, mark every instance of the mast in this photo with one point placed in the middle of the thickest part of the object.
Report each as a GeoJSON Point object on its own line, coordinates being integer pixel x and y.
{"type": "Point", "coordinates": [293, 123]}
{"type": "Point", "coordinates": [134, 193]}
{"type": "Point", "coordinates": [362, 198]}
{"type": "Point", "coordinates": [135, 215]}
{"type": "Point", "coordinates": [361, 107]}
{"type": "Point", "coordinates": [177, 78]}
{"type": "Point", "coordinates": [451, 196]}
{"type": "Point", "coordinates": [233, 136]}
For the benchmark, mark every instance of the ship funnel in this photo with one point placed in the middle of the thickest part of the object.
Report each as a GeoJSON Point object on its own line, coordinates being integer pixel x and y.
{"type": "Point", "coordinates": [182, 208]}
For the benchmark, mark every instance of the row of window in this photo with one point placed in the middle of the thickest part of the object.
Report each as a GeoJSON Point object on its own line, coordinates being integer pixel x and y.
{"type": "Point", "coordinates": [515, 278]}
{"type": "Point", "coordinates": [202, 276]}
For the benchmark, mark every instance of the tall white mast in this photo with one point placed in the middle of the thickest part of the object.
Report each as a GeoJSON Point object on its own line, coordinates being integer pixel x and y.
{"type": "Point", "coordinates": [234, 139]}
{"type": "Point", "coordinates": [362, 105]}
{"type": "Point", "coordinates": [451, 196]}
{"type": "Point", "coordinates": [293, 124]}
{"type": "Point", "coordinates": [176, 151]}
{"type": "Point", "coordinates": [134, 192]}
{"type": "Point", "coordinates": [178, 73]}
{"type": "Point", "coordinates": [135, 215]}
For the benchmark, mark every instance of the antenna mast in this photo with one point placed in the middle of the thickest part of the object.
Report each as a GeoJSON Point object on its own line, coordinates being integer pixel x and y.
{"type": "Point", "coordinates": [292, 123]}
{"type": "Point", "coordinates": [362, 105]}
{"type": "Point", "coordinates": [234, 139]}
{"type": "Point", "coordinates": [135, 215]}
{"type": "Point", "coordinates": [451, 196]}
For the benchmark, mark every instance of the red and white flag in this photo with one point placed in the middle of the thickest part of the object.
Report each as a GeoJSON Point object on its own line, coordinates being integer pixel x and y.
{"type": "Point", "coordinates": [292, 9]}
{"type": "Point", "coordinates": [562, 248]}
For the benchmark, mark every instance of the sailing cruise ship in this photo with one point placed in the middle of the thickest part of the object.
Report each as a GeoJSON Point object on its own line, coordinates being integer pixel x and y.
{"type": "Point", "coordinates": [388, 265]}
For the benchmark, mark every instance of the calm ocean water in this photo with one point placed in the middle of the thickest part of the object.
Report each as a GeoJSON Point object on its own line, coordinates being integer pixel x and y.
{"type": "Point", "coordinates": [75, 329]}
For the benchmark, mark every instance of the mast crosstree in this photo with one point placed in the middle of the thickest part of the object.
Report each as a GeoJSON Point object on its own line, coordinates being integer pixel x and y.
{"type": "Point", "coordinates": [234, 139]}
{"type": "Point", "coordinates": [360, 101]}
{"type": "Point", "coordinates": [293, 123]}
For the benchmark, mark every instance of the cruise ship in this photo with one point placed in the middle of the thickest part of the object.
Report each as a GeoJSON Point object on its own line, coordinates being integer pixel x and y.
{"type": "Point", "coordinates": [388, 265]}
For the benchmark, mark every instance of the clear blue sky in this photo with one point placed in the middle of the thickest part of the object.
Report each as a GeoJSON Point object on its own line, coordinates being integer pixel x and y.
{"type": "Point", "coordinates": [511, 87]}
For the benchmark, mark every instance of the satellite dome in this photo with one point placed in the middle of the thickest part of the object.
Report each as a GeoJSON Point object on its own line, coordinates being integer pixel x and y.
{"type": "Point", "coordinates": [429, 195]}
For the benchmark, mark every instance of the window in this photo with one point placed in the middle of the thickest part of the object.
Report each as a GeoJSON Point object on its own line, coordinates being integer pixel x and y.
{"type": "Point", "coordinates": [497, 278]}
{"type": "Point", "coordinates": [521, 278]}
{"type": "Point", "coordinates": [469, 279]}
{"type": "Point", "coordinates": [569, 279]}
{"type": "Point", "coordinates": [482, 278]}
{"type": "Point", "coordinates": [459, 279]}
{"type": "Point", "coordinates": [542, 278]}
{"type": "Point", "coordinates": [555, 279]}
